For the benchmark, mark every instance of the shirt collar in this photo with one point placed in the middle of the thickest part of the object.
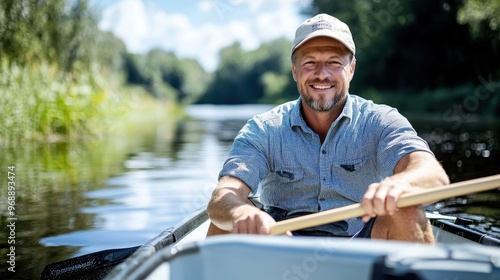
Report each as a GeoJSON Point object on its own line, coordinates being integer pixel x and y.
{"type": "Point", "coordinates": [296, 118]}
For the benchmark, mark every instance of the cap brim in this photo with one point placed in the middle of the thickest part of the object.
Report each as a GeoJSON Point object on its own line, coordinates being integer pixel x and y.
{"type": "Point", "coordinates": [321, 33]}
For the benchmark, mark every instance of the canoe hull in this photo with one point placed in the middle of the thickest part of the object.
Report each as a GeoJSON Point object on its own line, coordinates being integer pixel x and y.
{"type": "Point", "coordinates": [257, 257]}
{"type": "Point", "coordinates": [189, 255]}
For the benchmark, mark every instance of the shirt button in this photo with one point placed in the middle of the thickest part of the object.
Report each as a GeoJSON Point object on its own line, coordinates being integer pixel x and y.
{"type": "Point", "coordinates": [323, 152]}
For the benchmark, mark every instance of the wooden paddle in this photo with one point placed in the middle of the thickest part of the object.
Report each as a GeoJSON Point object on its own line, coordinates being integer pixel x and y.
{"type": "Point", "coordinates": [423, 196]}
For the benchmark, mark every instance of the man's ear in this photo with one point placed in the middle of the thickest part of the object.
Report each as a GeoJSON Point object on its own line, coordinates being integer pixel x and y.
{"type": "Point", "coordinates": [352, 67]}
{"type": "Point", "coordinates": [293, 72]}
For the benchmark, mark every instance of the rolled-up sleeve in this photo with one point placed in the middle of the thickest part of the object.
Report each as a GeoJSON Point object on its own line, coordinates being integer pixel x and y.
{"type": "Point", "coordinates": [397, 139]}
{"type": "Point", "coordinates": [248, 158]}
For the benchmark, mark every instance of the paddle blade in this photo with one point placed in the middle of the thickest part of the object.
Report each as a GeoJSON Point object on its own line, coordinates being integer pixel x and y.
{"type": "Point", "coordinates": [91, 266]}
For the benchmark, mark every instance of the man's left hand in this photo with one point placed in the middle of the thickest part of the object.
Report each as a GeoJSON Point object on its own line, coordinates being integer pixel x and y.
{"type": "Point", "coordinates": [381, 198]}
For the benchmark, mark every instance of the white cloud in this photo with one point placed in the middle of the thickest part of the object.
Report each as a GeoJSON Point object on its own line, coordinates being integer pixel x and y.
{"type": "Point", "coordinates": [205, 6]}
{"type": "Point", "coordinates": [128, 20]}
{"type": "Point", "coordinates": [143, 28]}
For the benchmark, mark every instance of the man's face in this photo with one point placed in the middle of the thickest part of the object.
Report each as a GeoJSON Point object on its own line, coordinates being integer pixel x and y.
{"type": "Point", "coordinates": [323, 71]}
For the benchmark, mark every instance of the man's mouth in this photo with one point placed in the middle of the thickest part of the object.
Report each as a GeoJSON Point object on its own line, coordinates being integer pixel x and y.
{"type": "Point", "coordinates": [322, 86]}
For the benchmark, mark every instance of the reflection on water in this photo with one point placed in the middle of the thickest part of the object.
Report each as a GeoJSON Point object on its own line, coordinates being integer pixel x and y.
{"type": "Point", "coordinates": [76, 199]}
{"type": "Point", "coordinates": [164, 181]}
{"type": "Point", "coordinates": [50, 183]}
{"type": "Point", "coordinates": [467, 152]}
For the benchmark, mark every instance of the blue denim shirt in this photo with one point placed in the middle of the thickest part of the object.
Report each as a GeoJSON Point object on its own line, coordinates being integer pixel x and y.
{"type": "Point", "coordinates": [281, 159]}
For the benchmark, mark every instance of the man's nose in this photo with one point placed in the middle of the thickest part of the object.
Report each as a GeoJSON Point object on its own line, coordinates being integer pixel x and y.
{"type": "Point", "coordinates": [322, 71]}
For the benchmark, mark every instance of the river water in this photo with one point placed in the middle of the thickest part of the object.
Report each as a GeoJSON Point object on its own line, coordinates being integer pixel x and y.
{"type": "Point", "coordinates": [74, 199]}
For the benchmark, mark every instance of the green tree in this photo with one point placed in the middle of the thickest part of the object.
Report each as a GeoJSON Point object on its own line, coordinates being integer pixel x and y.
{"type": "Point", "coordinates": [483, 17]}
{"type": "Point", "coordinates": [256, 76]}
{"type": "Point", "coordinates": [228, 85]}
{"type": "Point", "coordinates": [166, 76]}
{"type": "Point", "coordinates": [110, 52]}
{"type": "Point", "coordinates": [195, 80]}
{"type": "Point", "coordinates": [55, 31]}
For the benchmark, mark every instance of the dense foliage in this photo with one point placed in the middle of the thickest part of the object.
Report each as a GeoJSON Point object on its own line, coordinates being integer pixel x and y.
{"type": "Point", "coordinates": [165, 76]}
{"type": "Point", "coordinates": [49, 82]}
{"type": "Point", "coordinates": [259, 76]}
{"type": "Point", "coordinates": [61, 77]}
{"type": "Point", "coordinates": [56, 31]}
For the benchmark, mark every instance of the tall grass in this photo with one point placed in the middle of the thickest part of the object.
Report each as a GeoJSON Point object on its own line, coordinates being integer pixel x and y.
{"type": "Point", "coordinates": [40, 102]}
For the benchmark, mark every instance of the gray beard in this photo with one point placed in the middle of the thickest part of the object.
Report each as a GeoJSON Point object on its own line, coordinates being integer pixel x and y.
{"type": "Point", "coordinates": [324, 106]}
{"type": "Point", "coordinates": [320, 106]}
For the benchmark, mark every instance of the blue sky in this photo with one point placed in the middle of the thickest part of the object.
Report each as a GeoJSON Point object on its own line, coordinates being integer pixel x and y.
{"type": "Point", "coordinates": [199, 28]}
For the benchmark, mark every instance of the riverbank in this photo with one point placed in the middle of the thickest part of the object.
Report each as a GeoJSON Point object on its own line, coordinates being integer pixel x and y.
{"type": "Point", "coordinates": [53, 178]}
{"type": "Point", "coordinates": [43, 104]}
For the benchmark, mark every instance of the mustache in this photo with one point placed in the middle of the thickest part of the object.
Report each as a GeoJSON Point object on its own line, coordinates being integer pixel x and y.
{"type": "Point", "coordinates": [321, 81]}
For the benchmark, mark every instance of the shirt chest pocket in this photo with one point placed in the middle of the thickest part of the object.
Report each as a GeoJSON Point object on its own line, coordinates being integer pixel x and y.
{"type": "Point", "coordinates": [286, 175]}
{"type": "Point", "coordinates": [350, 166]}
{"type": "Point", "coordinates": [351, 177]}
{"type": "Point", "coordinates": [284, 188]}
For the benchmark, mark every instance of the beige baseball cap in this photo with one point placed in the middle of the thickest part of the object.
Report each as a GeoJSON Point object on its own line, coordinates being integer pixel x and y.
{"type": "Point", "coordinates": [323, 25]}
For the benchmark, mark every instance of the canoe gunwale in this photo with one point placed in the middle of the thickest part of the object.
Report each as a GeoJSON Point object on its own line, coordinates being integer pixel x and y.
{"type": "Point", "coordinates": [466, 232]}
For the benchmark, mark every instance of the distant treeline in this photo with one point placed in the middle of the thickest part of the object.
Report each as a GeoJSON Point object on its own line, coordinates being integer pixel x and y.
{"type": "Point", "coordinates": [58, 68]}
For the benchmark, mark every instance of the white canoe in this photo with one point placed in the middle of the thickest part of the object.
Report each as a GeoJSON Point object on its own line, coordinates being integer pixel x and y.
{"type": "Point", "coordinates": [185, 253]}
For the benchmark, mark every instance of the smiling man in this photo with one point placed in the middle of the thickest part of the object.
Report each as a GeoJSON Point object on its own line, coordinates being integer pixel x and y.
{"type": "Point", "coordinates": [328, 149]}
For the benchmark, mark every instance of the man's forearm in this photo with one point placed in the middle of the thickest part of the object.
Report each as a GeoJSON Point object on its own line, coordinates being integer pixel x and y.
{"type": "Point", "coordinates": [420, 169]}
{"type": "Point", "coordinates": [229, 196]}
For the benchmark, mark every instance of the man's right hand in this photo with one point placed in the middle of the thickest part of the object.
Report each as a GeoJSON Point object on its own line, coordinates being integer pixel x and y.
{"type": "Point", "coordinates": [231, 211]}
{"type": "Point", "coordinates": [248, 219]}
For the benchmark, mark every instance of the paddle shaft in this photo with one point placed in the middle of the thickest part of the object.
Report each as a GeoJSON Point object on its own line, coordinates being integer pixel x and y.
{"type": "Point", "coordinates": [422, 196]}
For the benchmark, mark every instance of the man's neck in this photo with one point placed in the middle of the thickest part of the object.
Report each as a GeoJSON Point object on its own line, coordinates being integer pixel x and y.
{"type": "Point", "coordinates": [320, 122]}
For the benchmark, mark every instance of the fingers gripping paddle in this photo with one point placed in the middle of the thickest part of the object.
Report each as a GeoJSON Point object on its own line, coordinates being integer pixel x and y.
{"type": "Point", "coordinates": [422, 196]}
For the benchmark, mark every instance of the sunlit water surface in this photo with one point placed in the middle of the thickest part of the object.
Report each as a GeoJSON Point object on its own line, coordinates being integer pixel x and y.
{"type": "Point", "coordinates": [163, 182]}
